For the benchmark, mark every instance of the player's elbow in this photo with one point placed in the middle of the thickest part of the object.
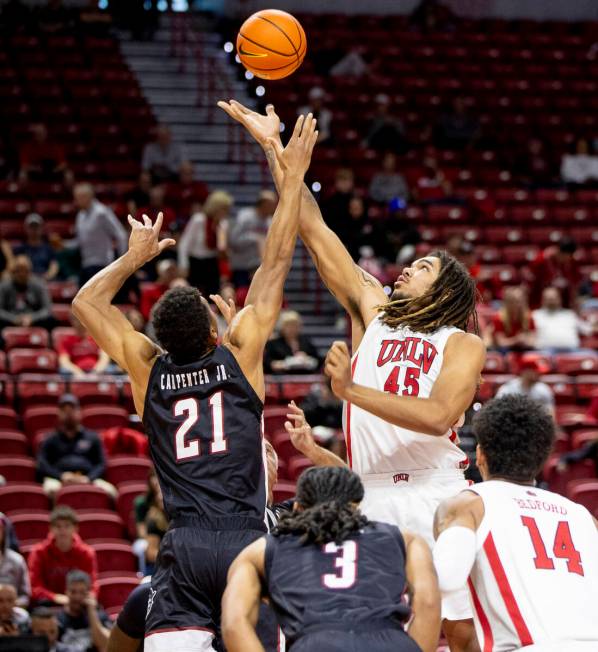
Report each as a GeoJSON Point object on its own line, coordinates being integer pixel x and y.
{"type": "Point", "coordinates": [426, 601]}
{"type": "Point", "coordinates": [441, 420]}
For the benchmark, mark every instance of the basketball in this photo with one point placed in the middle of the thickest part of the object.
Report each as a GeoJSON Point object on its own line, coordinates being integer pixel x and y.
{"type": "Point", "coordinates": [271, 44]}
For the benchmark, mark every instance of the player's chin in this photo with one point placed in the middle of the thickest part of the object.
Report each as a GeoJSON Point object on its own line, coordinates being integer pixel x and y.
{"type": "Point", "coordinates": [398, 295]}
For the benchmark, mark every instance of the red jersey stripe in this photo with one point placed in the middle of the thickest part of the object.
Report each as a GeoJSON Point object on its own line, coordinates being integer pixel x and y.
{"type": "Point", "coordinates": [506, 592]}
{"type": "Point", "coordinates": [484, 622]}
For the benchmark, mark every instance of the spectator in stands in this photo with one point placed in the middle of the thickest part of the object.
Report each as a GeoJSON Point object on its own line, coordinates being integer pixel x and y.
{"type": "Point", "coordinates": [320, 112]}
{"type": "Point", "coordinates": [388, 184]}
{"type": "Point", "coordinates": [351, 65]}
{"type": "Point", "coordinates": [556, 266]}
{"type": "Point", "coordinates": [156, 204]}
{"type": "Point", "coordinates": [6, 257]}
{"type": "Point", "coordinates": [557, 328]}
{"type": "Point", "coordinates": [432, 16]}
{"type": "Point", "coordinates": [457, 129]}
{"type": "Point", "coordinates": [247, 237]}
{"type": "Point", "coordinates": [432, 186]}
{"type": "Point", "coordinates": [42, 159]}
{"type": "Point", "coordinates": [322, 407]}
{"type": "Point", "coordinates": [140, 195]}
{"type": "Point", "coordinates": [62, 551]}
{"type": "Point", "coordinates": [335, 207]}
{"type": "Point", "coordinates": [580, 167]}
{"type": "Point", "coordinates": [587, 452]}
{"type": "Point", "coordinates": [168, 271]}
{"type": "Point", "coordinates": [529, 383]}
{"type": "Point", "coordinates": [83, 625]}
{"type": "Point", "coordinates": [14, 620]}
{"type": "Point", "coordinates": [45, 623]}
{"type": "Point", "coordinates": [79, 355]}
{"type": "Point", "coordinates": [37, 248]}
{"type": "Point", "coordinates": [24, 299]}
{"type": "Point", "coordinates": [512, 327]}
{"type": "Point", "coordinates": [386, 133]}
{"type": "Point", "coordinates": [13, 568]}
{"type": "Point", "coordinates": [151, 523]}
{"type": "Point", "coordinates": [71, 455]}
{"type": "Point", "coordinates": [9, 533]}
{"type": "Point", "coordinates": [187, 195]}
{"type": "Point", "coordinates": [98, 232]}
{"type": "Point", "coordinates": [67, 258]}
{"type": "Point", "coordinates": [291, 352]}
{"type": "Point", "coordinates": [533, 166]}
{"type": "Point", "coordinates": [163, 158]}
{"type": "Point", "coordinates": [204, 241]}
{"type": "Point", "coordinates": [358, 229]}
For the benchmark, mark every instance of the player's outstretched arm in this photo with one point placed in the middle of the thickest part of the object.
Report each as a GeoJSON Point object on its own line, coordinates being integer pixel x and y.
{"type": "Point", "coordinates": [114, 334]}
{"type": "Point", "coordinates": [356, 290]}
{"type": "Point", "coordinates": [241, 599]}
{"type": "Point", "coordinates": [425, 596]}
{"type": "Point", "coordinates": [451, 395]}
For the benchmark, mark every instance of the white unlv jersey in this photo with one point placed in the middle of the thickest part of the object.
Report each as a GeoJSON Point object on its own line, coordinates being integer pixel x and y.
{"type": "Point", "coordinates": [407, 363]}
{"type": "Point", "coordinates": [535, 578]}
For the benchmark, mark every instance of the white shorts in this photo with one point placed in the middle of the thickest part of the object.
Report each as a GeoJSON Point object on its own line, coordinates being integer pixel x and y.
{"type": "Point", "coordinates": [409, 501]}
{"type": "Point", "coordinates": [184, 640]}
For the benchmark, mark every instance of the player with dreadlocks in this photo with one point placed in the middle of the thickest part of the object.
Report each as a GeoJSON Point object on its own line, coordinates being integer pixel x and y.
{"type": "Point", "coordinates": [334, 579]}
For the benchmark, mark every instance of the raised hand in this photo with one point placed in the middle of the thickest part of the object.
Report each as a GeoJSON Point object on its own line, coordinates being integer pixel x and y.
{"type": "Point", "coordinates": [261, 127]}
{"type": "Point", "coordinates": [295, 158]}
{"type": "Point", "coordinates": [227, 310]}
{"type": "Point", "coordinates": [299, 430]}
{"type": "Point", "coordinates": [144, 240]}
{"type": "Point", "coordinates": [338, 368]}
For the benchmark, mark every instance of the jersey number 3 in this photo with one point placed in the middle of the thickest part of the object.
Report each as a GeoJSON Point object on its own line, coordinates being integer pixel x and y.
{"type": "Point", "coordinates": [345, 561]}
{"type": "Point", "coordinates": [186, 449]}
{"type": "Point", "coordinates": [563, 547]}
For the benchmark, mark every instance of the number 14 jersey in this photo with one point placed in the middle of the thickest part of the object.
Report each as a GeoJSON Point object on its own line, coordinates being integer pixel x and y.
{"type": "Point", "coordinates": [535, 578]}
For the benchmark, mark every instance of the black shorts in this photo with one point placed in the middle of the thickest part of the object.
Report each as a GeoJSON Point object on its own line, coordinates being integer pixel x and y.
{"type": "Point", "coordinates": [190, 577]}
{"type": "Point", "coordinates": [385, 640]}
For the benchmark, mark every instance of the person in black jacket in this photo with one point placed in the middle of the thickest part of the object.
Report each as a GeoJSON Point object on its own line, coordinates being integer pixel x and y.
{"type": "Point", "coordinates": [72, 454]}
{"type": "Point", "coordinates": [291, 352]}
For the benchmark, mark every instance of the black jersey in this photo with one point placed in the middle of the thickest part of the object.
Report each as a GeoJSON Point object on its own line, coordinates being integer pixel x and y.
{"type": "Point", "coordinates": [314, 587]}
{"type": "Point", "coordinates": [204, 423]}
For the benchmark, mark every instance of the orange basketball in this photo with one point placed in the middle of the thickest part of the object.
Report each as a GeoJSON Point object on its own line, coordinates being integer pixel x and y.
{"type": "Point", "coordinates": [271, 44]}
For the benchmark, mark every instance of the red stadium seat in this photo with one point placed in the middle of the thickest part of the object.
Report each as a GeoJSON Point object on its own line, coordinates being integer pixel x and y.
{"type": "Point", "coordinates": [17, 469]}
{"type": "Point", "coordinates": [20, 496]}
{"type": "Point", "coordinates": [586, 494]}
{"type": "Point", "coordinates": [61, 291]}
{"type": "Point", "coordinates": [22, 337]}
{"type": "Point", "coordinates": [583, 436]}
{"type": "Point", "coordinates": [100, 524]}
{"type": "Point", "coordinates": [31, 526]}
{"type": "Point", "coordinates": [106, 416]}
{"type": "Point", "coordinates": [60, 333]}
{"type": "Point", "coordinates": [127, 469]}
{"type": "Point", "coordinates": [8, 418]}
{"type": "Point", "coordinates": [296, 391]}
{"type": "Point", "coordinates": [562, 387]}
{"type": "Point", "coordinates": [37, 389]}
{"type": "Point", "coordinates": [127, 493]}
{"type": "Point", "coordinates": [62, 313]}
{"type": "Point", "coordinates": [115, 557]}
{"type": "Point", "coordinates": [557, 480]}
{"type": "Point", "coordinates": [33, 361]}
{"type": "Point", "coordinates": [84, 497]}
{"type": "Point", "coordinates": [297, 465]}
{"type": "Point", "coordinates": [495, 363]}
{"type": "Point", "coordinates": [113, 592]}
{"type": "Point", "coordinates": [274, 418]}
{"type": "Point", "coordinates": [284, 491]}
{"type": "Point", "coordinates": [44, 417]}
{"type": "Point", "coordinates": [281, 441]}
{"type": "Point", "coordinates": [576, 363]}
{"type": "Point", "coordinates": [3, 365]}
{"type": "Point", "coordinates": [13, 442]}
{"type": "Point", "coordinates": [94, 392]}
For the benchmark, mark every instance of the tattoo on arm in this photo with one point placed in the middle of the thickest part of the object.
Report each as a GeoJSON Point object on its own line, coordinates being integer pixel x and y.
{"type": "Point", "coordinates": [367, 279]}
{"type": "Point", "coordinates": [271, 158]}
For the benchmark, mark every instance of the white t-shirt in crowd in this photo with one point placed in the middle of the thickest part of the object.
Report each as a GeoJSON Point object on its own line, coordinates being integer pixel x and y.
{"type": "Point", "coordinates": [558, 329]}
{"type": "Point", "coordinates": [540, 392]}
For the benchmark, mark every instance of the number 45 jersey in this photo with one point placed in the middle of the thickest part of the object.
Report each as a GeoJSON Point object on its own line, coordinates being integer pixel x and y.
{"type": "Point", "coordinates": [204, 423]}
{"type": "Point", "coordinates": [353, 586]}
{"type": "Point", "coordinates": [535, 578]}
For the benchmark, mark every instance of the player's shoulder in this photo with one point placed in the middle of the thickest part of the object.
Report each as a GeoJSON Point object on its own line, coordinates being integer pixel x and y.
{"type": "Point", "coordinates": [462, 343]}
{"type": "Point", "coordinates": [467, 502]}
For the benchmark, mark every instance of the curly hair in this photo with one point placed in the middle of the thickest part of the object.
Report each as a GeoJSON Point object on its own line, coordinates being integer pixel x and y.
{"type": "Point", "coordinates": [516, 435]}
{"type": "Point", "coordinates": [327, 496]}
{"type": "Point", "coordinates": [182, 324]}
{"type": "Point", "coordinates": [450, 301]}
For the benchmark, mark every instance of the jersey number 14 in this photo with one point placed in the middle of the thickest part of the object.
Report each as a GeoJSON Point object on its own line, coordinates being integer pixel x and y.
{"type": "Point", "coordinates": [563, 547]}
{"type": "Point", "coordinates": [186, 449]}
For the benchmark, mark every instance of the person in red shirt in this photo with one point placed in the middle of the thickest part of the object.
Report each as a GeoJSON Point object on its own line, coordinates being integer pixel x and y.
{"type": "Point", "coordinates": [512, 327]}
{"type": "Point", "coordinates": [63, 550]}
{"type": "Point", "coordinates": [168, 271]}
{"type": "Point", "coordinates": [78, 354]}
{"type": "Point", "coordinates": [556, 267]}
{"type": "Point", "coordinates": [186, 195]}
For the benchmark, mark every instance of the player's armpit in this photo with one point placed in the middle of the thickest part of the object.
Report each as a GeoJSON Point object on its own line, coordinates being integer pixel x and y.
{"type": "Point", "coordinates": [120, 642]}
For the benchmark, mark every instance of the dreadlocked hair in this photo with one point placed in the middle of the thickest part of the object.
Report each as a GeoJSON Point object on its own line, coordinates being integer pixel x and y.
{"type": "Point", "coordinates": [326, 495]}
{"type": "Point", "coordinates": [450, 301]}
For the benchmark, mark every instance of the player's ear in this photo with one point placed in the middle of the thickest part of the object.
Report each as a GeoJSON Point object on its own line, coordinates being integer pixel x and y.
{"type": "Point", "coordinates": [480, 458]}
{"type": "Point", "coordinates": [297, 507]}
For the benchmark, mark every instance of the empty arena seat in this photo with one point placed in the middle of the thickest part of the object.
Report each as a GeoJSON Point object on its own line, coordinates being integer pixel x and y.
{"type": "Point", "coordinates": [31, 526]}
{"type": "Point", "coordinates": [100, 524]}
{"type": "Point", "coordinates": [586, 494]}
{"type": "Point", "coordinates": [43, 417]}
{"type": "Point", "coordinates": [274, 418]}
{"type": "Point", "coordinates": [84, 497]}
{"type": "Point", "coordinates": [36, 389]}
{"type": "Point", "coordinates": [115, 557]}
{"type": "Point", "coordinates": [8, 418]}
{"type": "Point", "coordinates": [25, 337]}
{"type": "Point", "coordinates": [127, 469]}
{"type": "Point", "coordinates": [557, 480]}
{"type": "Point", "coordinates": [23, 495]}
{"type": "Point", "coordinates": [296, 466]}
{"type": "Point", "coordinates": [17, 469]}
{"type": "Point", "coordinates": [33, 361]}
{"type": "Point", "coordinates": [105, 416]}
{"type": "Point", "coordinates": [13, 442]}
{"type": "Point", "coordinates": [114, 591]}
{"type": "Point", "coordinates": [576, 363]}
{"type": "Point", "coordinates": [283, 445]}
{"type": "Point", "coordinates": [93, 392]}
{"type": "Point", "coordinates": [495, 363]}
{"type": "Point", "coordinates": [583, 436]}
{"type": "Point", "coordinates": [284, 491]}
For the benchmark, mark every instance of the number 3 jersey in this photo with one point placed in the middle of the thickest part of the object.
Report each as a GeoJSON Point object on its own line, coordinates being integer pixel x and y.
{"type": "Point", "coordinates": [535, 577]}
{"type": "Point", "coordinates": [337, 587]}
{"type": "Point", "coordinates": [403, 362]}
{"type": "Point", "coordinates": [204, 423]}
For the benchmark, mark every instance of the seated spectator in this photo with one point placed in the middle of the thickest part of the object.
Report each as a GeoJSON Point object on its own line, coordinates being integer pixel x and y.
{"type": "Point", "coordinates": [62, 551]}
{"type": "Point", "coordinates": [557, 328]}
{"type": "Point", "coordinates": [528, 383]}
{"type": "Point", "coordinates": [291, 352]}
{"type": "Point", "coordinates": [151, 523]}
{"type": "Point", "coordinates": [43, 160]}
{"type": "Point", "coordinates": [168, 271]}
{"type": "Point", "coordinates": [457, 129]}
{"type": "Point", "coordinates": [67, 258]}
{"type": "Point", "coordinates": [79, 355]}
{"type": "Point", "coordinates": [186, 195]}
{"type": "Point", "coordinates": [24, 299]}
{"type": "Point", "coordinates": [140, 195]}
{"type": "Point", "coordinates": [580, 167]}
{"type": "Point", "coordinates": [335, 207]}
{"type": "Point", "coordinates": [432, 187]}
{"type": "Point", "coordinates": [247, 237]}
{"type": "Point", "coordinates": [12, 540]}
{"type": "Point", "coordinates": [322, 407]}
{"type": "Point", "coordinates": [533, 166]}
{"type": "Point", "coordinates": [358, 229]}
{"type": "Point", "coordinates": [203, 241]}
{"type": "Point", "coordinates": [587, 452]}
{"type": "Point", "coordinates": [320, 112]}
{"type": "Point", "coordinates": [6, 257]}
{"type": "Point", "coordinates": [156, 204]}
{"type": "Point", "coordinates": [351, 65]}
{"type": "Point", "coordinates": [71, 454]}
{"type": "Point", "coordinates": [13, 620]}
{"type": "Point", "coordinates": [385, 131]}
{"type": "Point", "coordinates": [512, 327]}
{"type": "Point", "coordinates": [163, 158]}
{"type": "Point", "coordinates": [83, 625]}
{"type": "Point", "coordinates": [45, 623]}
{"type": "Point", "coordinates": [556, 267]}
{"type": "Point", "coordinates": [37, 248]}
{"type": "Point", "coordinates": [13, 568]}
{"type": "Point", "coordinates": [388, 184]}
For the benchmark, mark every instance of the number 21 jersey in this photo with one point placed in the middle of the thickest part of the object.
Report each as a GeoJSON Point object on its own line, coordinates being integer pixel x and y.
{"type": "Point", "coordinates": [535, 578]}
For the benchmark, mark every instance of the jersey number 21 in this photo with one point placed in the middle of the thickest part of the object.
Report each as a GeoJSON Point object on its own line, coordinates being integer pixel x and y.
{"type": "Point", "coordinates": [187, 449]}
